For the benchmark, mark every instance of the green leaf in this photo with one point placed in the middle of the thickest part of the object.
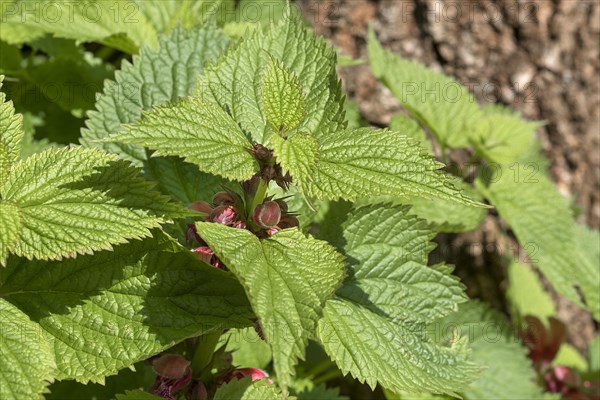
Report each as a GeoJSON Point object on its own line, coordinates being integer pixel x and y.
{"type": "Point", "coordinates": [374, 328]}
{"type": "Point", "coordinates": [75, 201]}
{"type": "Point", "coordinates": [11, 134]}
{"type": "Point", "coordinates": [26, 357]}
{"type": "Point", "coordinates": [569, 356]}
{"type": "Point", "coordinates": [450, 216]}
{"type": "Point", "coordinates": [10, 220]}
{"type": "Point", "coordinates": [127, 379]}
{"type": "Point", "coordinates": [182, 181]}
{"type": "Point", "coordinates": [179, 59]}
{"type": "Point", "coordinates": [287, 278]}
{"type": "Point", "coordinates": [104, 312]}
{"type": "Point", "coordinates": [297, 155]}
{"type": "Point", "coordinates": [542, 221]}
{"type": "Point", "coordinates": [138, 395]}
{"type": "Point", "coordinates": [119, 24]}
{"type": "Point", "coordinates": [503, 136]}
{"type": "Point", "coordinates": [200, 132]}
{"type": "Point", "coordinates": [526, 294]}
{"type": "Point", "coordinates": [282, 97]}
{"type": "Point", "coordinates": [411, 128]}
{"type": "Point", "coordinates": [249, 350]}
{"type": "Point", "coordinates": [321, 392]}
{"type": "Point", "coordinates": [439, 102]}
{"type": "Point", "coordinates": [245, 389]}
{"type": "Point", "coordinates": [366, 162]}
{"type": "Point", "coordinates": [234, 82]}
{"type": "Point", "coordinates": [507, 371]}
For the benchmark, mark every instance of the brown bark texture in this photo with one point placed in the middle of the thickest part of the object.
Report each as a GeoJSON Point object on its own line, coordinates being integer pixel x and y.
{"type": "Point", "coordinates": [541, 58]}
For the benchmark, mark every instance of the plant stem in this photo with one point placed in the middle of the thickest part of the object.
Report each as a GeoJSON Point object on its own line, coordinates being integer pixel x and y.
{"type": "Point", "coordinates": [204, 352]}
{"type": "Point", "coordinates": [327, 377]}
{"type": "Point", "coordinates": [259, 196]}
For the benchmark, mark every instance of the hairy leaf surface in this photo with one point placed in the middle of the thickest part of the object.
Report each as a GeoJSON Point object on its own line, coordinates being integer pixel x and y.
{"type": "Point", "coordinates": [75, 200]}
{"type": "Point", "coordinates": [200, 132]}
{"type": "Point", "coordinates": [104, 312]}
{"type": "Point", "coordinates": [155, 77]}
{"type": "Point", "coordinates": [26, 357]}
{"type": "Point", "coordinates": [374, 328]}
{"type": "Point", "coordinates": [287, 278]}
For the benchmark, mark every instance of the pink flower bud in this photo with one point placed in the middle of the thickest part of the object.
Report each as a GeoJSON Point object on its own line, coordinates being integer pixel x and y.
{"type": "Point", "coordinates": [201, 206]}
{"type": "Point", "coordinates": [267, 215]}
{"type": "Point", "coordinates": [171, 366]}
{"type": "Point", "coordinates": [223, 199]}
{"type": "Point", "coordinates": [255, 373]}
{"type": "Point", "coordinates": [204, 254]}
{"type": "Point", "coordinates": [225, 215]}
{"type": "Point", "coordinates": [272, 231]}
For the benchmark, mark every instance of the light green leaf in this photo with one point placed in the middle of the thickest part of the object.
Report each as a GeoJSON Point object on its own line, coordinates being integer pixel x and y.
{"type": "Point", "coordinates": [179, 59]}
{"type": "Point", "coordinates": [411, 128]}
{"type": "Point", "coordinates": [26, 357]}
{"type": "Point", "coordinates": [75, 201]}
{"type": "Point", "coordinates": [503, 136]}
{"type": "Point", "coordinates": [249, 350]}
{"type": "Point", "coordinates": [287, 278]}
{"type": "Point", "coordinates": [506, 369]}
{"type": "Point", "coordinates": [439, 102]}
{"type": "Point", "coordinates": [200, 132]}
{"type": "Point", "coordinates": [234, 82]}
{"type": "Point", "coordinates": [297, 155]}
{"type": "Point", "coordinates": [542, 221]}
{"type": "Point", "coordinates": [569, 356]}
{"type": "Point", "coordinates": [104, 312]}
{"type": "Point", "coordinates": [245, 389]}
{"type": "Point", "coordinates": [282, 97]}
{"type": "Point", "coordinates": [374, 329]}
{"type": "Point", "coordinates": [10, 221]}
{"type": "Point", "coordinates": [526, 294]}
{"type": "Point", "coordinates": [118, 24]}
{"type": "Point", "coordinates": [11, 134]}
{"type": "Point", "coordinates": [366, 162]}
{"type": "Point", "coordinates": [375, 349]}
{"type": "Point", "coordinates": [450, 216]}
{"type": "Point", "coordinates": [138, 395]}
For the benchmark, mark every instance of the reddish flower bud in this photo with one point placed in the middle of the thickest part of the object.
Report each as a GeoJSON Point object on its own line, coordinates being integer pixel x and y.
{"type": "Point", "coordinates": [223, 199]}
{"type": "Point", "coordinates": [225, 215]}
{"type": "Point", "coordinates": [267, 214]}
{"type": "Point", "coordinates": [282, 205]}
{"type": "Point", "coordinates": [239, 224]}
{"type": "Point", "coordinates": [191, 234]}
{"type": "Point", "coordinates": [201, 206]}
{"type": "Point", "coordinates": [199, 392]}
{"type": "Point", "coordinates": [288, 221]}
{"type": "Point", "coordinates": [171, 366]}
{"type": "Point", "coordinates": [204, 254]}
{"type": "Point", "coordinates": [255, 373]}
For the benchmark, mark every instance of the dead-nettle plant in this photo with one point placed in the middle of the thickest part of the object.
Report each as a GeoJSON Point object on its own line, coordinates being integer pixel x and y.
{"type": "Point", "coordinates": [225, 212]}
